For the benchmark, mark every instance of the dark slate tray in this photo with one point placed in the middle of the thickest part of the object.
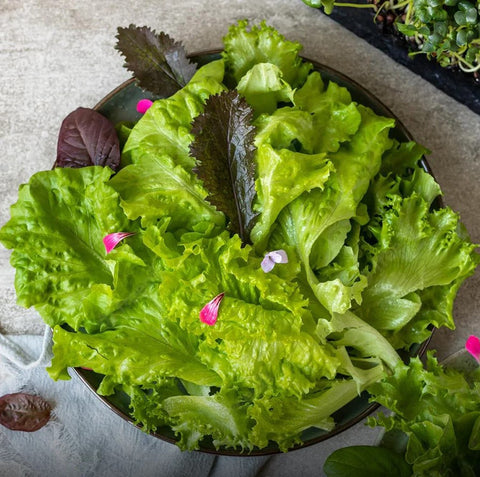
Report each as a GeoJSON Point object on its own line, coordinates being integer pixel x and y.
{"type": "Point", "coordinates": [455, 83]}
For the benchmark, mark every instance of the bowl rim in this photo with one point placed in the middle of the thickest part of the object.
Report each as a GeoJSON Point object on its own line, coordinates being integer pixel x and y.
{"type": "Point", "coordinates": [82, 373]}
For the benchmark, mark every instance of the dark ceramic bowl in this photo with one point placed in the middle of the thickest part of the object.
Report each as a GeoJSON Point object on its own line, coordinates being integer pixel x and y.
{"type": "Point", "coordinates": [120, 105]}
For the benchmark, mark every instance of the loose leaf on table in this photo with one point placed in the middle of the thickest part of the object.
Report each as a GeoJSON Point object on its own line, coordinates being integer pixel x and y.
{"type": "Point", "coordinates": [224, 147]}
{"type": "Point", "coordinates": [366, 461]}
{"type": "Point", "coordinates": [87, 138]}
{"type": "Point", "coordinates": [158, 62]}
{"type": "Point", "coordinates": [24, 412]}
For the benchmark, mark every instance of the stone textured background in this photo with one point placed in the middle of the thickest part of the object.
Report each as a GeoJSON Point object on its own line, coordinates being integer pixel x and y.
{"type": "Point", "coordinates": [56, 55]}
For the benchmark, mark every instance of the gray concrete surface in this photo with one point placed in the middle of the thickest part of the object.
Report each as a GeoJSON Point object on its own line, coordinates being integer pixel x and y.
{"type": "Point", "coordinates": [56, 55]}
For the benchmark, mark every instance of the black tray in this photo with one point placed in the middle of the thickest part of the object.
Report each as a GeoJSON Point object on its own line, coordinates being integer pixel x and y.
{"type": "Point", "coordinates": [460, 86]}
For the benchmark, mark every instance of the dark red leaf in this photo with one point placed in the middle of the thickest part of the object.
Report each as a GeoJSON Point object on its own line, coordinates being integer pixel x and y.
{"type": "Point", "coordinates": [24, 412]}
{"type": "Point", "coordinates": [158, 62]}
{"type": "Point", "coordinates": [87, 138]}
{"type": "Point", "coordinates": [224, 147]}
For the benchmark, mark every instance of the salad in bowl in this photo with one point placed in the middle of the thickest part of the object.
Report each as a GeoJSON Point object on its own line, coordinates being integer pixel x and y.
{"type": "Point", "coordinates": [248, 257]}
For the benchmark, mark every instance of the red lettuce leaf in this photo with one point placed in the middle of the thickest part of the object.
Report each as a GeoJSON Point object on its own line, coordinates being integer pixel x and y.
{"type": "Point", "coordinates": [24, 412]}
{"type": "Point", "coordinates": [224, 148]}
{"type": "Point", "coordinates": [158, 62]}
{"type": "Point", "coordinates": [87, 138]}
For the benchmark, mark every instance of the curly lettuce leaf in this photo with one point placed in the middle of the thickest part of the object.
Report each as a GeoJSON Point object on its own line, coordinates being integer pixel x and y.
{"type": "Point", "coordinates": [263, 87]}
{"type": "Point", "coordinates": [438, 410]}
{"type": "Point", "coordinates": [219, 415]}
{"type": "Point", "coordinates": [335, 117]}
{"type": "Point", "coordinates": [308, 217]}
{"type": "Point", "coordinates": [155, 187]}
{"type": "Point", "coordinates": [56, 231]}
{"type": "Point", "coordinates": [400, 266]}
{"type": "Point", "coordinates": [283, 175]}
{"type": "Point", "coordinates": [245, 48]}
{"type": "Point", "coordinates": [283, 420]}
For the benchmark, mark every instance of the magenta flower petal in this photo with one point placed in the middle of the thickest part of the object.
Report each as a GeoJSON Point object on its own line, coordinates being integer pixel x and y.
{"type": "Point", "coordinates": [143, 105]}
{"type": "Point", "coordinates": [473, 347]}
{"type": "Point", "coordinates": [111, 240]}
{"type": "Point", "coordinates": [209, 313]}
{"type": "Point", "coordinates": [271, 258]}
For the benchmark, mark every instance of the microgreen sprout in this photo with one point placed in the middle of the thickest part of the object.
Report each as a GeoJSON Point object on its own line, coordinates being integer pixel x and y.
{"type": "Point", "coordinates": [445, 30]}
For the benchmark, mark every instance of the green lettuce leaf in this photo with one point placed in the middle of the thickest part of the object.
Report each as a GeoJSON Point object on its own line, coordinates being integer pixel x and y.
{"type": "Point", "coordinates": [335, 117]}
{"type": "Point", "coordinates": [400, 266]}
{"type": "Point", "coordinates": [303, 222]}
{"type": "Point", "coordinates": [220, 415]}
{"type": "Point", "coordinates": [262, 44]}
{"type": "Point", "coordinates": [56, 231]}
{"type": "Point", "coordinates": [438, 410]}
{"type": "Point", "coordinates": [263, 88]}
{"type": "Point", "coordinates": [154, 187]}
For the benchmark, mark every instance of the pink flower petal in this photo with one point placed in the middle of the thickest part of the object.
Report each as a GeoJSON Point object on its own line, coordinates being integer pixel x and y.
{"type": "Point", "coordinates": [473, 346]}
{"type": "Point", "coordinates": [267, 264]}
{"type": "Point", "coordinates": [111, 240]}
{"type": "Point", "coordinates": [209, 312]}
{"type": "Point", "coordinates": [279, 256]}
{"type": "Point", "coordinates": [271, 258]}
{"type": "Point", "coordinates": [143, 105]}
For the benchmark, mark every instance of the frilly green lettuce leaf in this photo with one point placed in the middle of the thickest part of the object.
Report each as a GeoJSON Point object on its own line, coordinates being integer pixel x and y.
{"type": "Point", "coordinates": [56, 231]}
{"type": "Point", "coordinates": [336, 118]}
{"type": "Point", "coordinates": [263, 88]}
{"type": "Point", "coordinates": [154, 187]}
{"type": "Point", "coordinates": [220, 416]}
{"type": "Point", "coordinates": [132, 355]}
{"type": "Point", "coordinates": [245, 48]}
{"type": "Point", "coordinates": [283, 175]}
{"type": "Point", "coordinates": [283, 420]}
{"type": "Point", "coordinates": [438, 410]}
{"type": "Point", "coordinates": [287, 128]}
{"type": "Point", "coordinates": [303, 222]}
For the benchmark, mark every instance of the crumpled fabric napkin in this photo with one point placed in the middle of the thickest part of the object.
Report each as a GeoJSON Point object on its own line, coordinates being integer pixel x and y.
{"type": "Point", "coordinates": [20, 357]}
{"type": "Point", "coordinates": [84, 438]}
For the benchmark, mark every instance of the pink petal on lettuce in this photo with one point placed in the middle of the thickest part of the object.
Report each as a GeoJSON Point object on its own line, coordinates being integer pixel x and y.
{"type": "Point", "coordinates": [279, 256]}
{"type": "Point", "coordinates": [267, 264]}
{"type": "Point", "coordinates": [144, 105]}
{"type": "Point", "coordinates": [111, 240]}
{"type": "Point", "coordinates": [271, 258]}
{"type": "Point", "coordinates": [473, 346]}
{"type": "Point", "coordinates": [209, 313]}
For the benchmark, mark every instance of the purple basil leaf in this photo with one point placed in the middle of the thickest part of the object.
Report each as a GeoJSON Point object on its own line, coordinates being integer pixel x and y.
{"type": "Point", "coordinates": [24, 412]}
{"type": "Point", "coordinates": [224, 148]}
{"type": "Point", "coordinates": [158, 62]}
{"type": "Point", "coordinates": [87, 138]}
